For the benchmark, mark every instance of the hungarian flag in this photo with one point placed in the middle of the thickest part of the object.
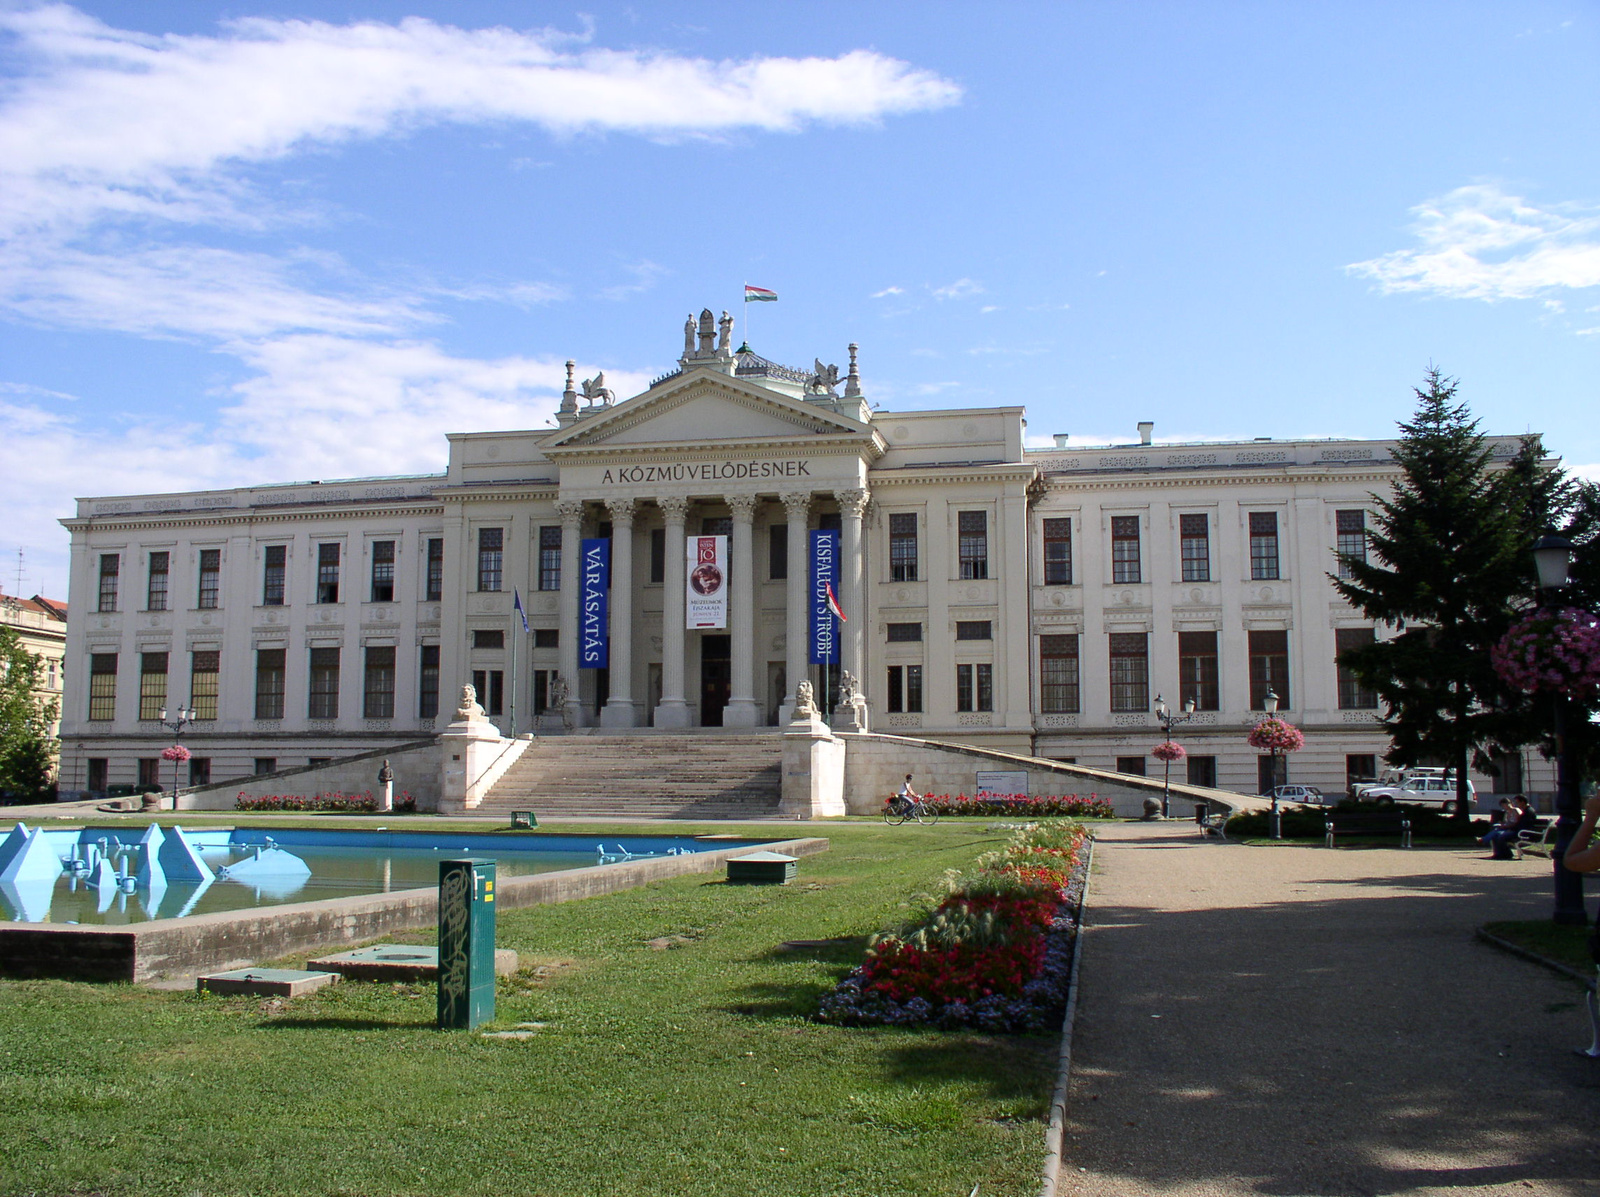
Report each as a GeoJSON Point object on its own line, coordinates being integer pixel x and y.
{"type": "Point", "coordinates": [833, 604]}
{"type": "Point", "coordinates": [759, 295]}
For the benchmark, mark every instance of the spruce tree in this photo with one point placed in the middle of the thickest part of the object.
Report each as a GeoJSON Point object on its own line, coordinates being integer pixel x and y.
{"type": "Point", "coordinates": [1447, 559]}
{"type": "Point", "coordinates": [26, 747]}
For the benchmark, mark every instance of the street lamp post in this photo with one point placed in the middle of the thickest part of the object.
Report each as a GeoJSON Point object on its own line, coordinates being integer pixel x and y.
{"type": "Point", "coordinates": [1552, 557]}
{"type": "Point", "coordinates": [1168, 722]}
{"type": "Point", "coordinates": [1269, 703]}
{"type": "Point", "coordinates": [184, 717]}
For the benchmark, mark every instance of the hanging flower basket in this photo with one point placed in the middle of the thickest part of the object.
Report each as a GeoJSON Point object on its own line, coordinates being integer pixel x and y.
{"type": "Point", "coordinates": [1553, 650]}
{"type": "Point", "coordinates": [176, 753]}
{"type": "Point", "coordinates": [1167, 750]}
{"type": "Point", "coordinates": [1276, 735]}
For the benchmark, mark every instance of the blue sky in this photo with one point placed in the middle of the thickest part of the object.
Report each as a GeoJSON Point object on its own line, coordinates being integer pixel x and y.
{"type": "Point", "coordinates": [255, 244]}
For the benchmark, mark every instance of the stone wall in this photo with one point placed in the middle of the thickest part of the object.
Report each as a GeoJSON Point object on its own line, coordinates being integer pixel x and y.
{"type": "Point", "coordinates": [416, 768]}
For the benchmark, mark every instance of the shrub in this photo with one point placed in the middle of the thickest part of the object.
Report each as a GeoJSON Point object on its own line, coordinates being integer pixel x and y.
{"type": "Point", "coordinates": [1021, 805]}
{"type": "Point", "coordinates": [329, 802]}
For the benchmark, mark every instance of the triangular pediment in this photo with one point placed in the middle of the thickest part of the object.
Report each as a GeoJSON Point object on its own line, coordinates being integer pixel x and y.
{"type": "Point", "coordinates": [705, 406]}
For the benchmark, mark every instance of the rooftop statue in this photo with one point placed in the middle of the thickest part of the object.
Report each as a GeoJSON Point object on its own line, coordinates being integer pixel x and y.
{"type": "Point", "coordinates": [823, 378]}
{"type": "Point", "coordinates": [596, 391]}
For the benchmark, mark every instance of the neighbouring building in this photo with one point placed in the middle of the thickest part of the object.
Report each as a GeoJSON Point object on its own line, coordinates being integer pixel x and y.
{"type": "Point", "coordinates": [41, 624]}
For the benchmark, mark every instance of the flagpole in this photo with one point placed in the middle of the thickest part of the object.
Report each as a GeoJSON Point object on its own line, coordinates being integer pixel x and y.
{"type": "Point", "coordinates": [516, 644]}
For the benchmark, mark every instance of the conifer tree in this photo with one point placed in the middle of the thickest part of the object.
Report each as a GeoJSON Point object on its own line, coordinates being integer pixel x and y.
{"type": "Point", "coordinates": [26, 746]}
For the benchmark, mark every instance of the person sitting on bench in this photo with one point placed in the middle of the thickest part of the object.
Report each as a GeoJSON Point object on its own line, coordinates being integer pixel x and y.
{"type": "Point", "coordinates": [1520, 817]}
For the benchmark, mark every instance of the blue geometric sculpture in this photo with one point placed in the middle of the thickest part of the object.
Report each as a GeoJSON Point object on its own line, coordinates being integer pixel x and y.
{"type": "Point", "coordinates": [36, 861]}
{"type": "Point", "coordinates": [179, 860]}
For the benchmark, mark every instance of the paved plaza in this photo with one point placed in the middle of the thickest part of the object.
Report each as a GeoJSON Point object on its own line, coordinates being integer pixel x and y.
{"type": "Point", "coordinates": [1260, 1020]}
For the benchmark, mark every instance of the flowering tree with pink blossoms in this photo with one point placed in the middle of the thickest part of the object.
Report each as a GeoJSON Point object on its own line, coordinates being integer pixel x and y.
{"type": "Point", "coordinates": [1554, 650]}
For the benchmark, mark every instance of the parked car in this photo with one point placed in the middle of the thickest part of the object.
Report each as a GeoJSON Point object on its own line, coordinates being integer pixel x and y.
{"type": "Point", "coordinates": [1437, 792]}
{"type": "Point", "coordinates": [1395, 776]}
{"type": "Point", "coordinates": [1309, 795]}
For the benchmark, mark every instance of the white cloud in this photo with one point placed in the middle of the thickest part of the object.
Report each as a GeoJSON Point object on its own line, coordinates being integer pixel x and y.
{"type": "Point", "coordinates": [1480, 243]}
{"type": "Point", "coordinates": [959, 289]}
{"type": "Point", "coordinates": [888, 291]}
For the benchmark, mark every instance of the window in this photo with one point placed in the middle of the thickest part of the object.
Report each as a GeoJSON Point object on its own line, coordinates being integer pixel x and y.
{"type": "Point", "coordinates": [1363, 766]}
{"type": "Point", "coordinates": [1132, 765]}
{"type": "Point", "coordinates": [490, 685]}
{"type": "Point", "coordinates": [1194, 546]}
{"type": "Point", "coordinates": [270, 669]}
{"type": "Point", "coordinates": [1197, 670]}
{"type": "Point", "coordinates": [829, 521]}
{"type": "Point", "coordinates": [1269, 669]}
{"type": "Point", "coordinates": [973, 533]}
{"type": "Point", "coordinates": [903, 546]}
{"type": "Point", "coordinates": [1058, 674]}
{"type": "Point", "coordinates": [905, 689]}
{"type": "Point", "coordinates": [1058, 552]}
{"type": "Point", "coordinates": [546, 638]}
{"type": "Point", "coordinates": [1202, 771]}
{"type": "Point", "coordinates": [152, 685]}
{"type": "Point", "coordinates": [975, 687]}
{"type": "Point", "coordinates": [210, 579]}
{"type": "Point", "coordinates": [314, 761]}
{"type": "Point", "coordinates": [658, 554]}
{"type": "Point", "coordinates": [110, 564]}
{"type": "Point", "coordinates": [155, 597]}
{"type": "Point", "coordinates": [491, 542]}
{"type": "Point", "coordinates": [1350, 528]}
{"type": "Point", "coordinates": [777, 551]}
{"type": "Point", "coordinates": [435, 579]}
{"type": "Point", "coordinates": [150, 773]}
{"type": "Point", "coordinates": [1263, 545]}
{"type": "Point", "coordinates": [272, 575]}
{"type": "Point", "coordinates": [199, 770]}
{"type": "Point", "coordinates": [974, 629]}
{"type": "Point", "coordinates": [204, 668]}
{"type": "Point", "coordinates": [1125, 548]}
{"type": "Point", "coordinates": [377, 701]}
{"type": "Point", "coordinates": [550, 559]}
{"type": "Point", "coordinates": [327, 573]}
{"type": "Point", "coordinates": [488, 638]}
{"type": "Point", "coordinates": [904, 633]}
{"type": "Point", "coordinates": [99, 768]}
{"type": "Point", "coordinates": [1353, 696]}
{"type": "Point", "coordinates": [383, 571]}
{"type": "Point", "coordinates": [428, 683]}
{"type": "Point", "coordinates": [541, 690]}
{"type": "Point", "coordinates": [102, 689]}
{"type": "Point", "coordinates": [1130, 671]}
{"type": "Point", "coordinates": [717, 525]}
{"type": "Point", "coordinates": [1504, 767]}
{"type": "Point", "coordinates": [264, 765]}
{"type": "Point", "coordinates": [324, 694]}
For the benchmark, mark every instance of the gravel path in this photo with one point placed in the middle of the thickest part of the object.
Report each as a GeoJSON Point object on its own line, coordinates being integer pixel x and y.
{"type": "Point", "coordinates": [1303, 1021]}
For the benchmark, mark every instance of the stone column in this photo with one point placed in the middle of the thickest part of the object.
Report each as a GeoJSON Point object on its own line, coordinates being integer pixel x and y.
{"type": "Point", "coordinates": [797, 650]}
{"type": "Point", "coordinates": [852, 506]}
{"type": "Point", "coordinates": [742, 710]}
{"type": "Point", "coordinates": [673, 711]}
{"type": "Point", "coordinates": [619, 710]}
{"type": "Point", "coordinates": [571, 514]}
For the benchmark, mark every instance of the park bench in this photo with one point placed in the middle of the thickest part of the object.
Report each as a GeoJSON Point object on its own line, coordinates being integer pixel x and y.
{"type": "Point", "coordinates": [1366, 825]}
{"type": "Point", "coordinates": [1212, 825]}
{"type": "Point", "coordinates": [1539, 838]}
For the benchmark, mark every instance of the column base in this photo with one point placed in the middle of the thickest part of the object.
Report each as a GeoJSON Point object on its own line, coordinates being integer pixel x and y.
{"type": "Point", "coordinates": [674, 713]}
{"type": "Point", "coordinates": [619, 713]}
{"type": "Point", "coordinates": [743, 712]}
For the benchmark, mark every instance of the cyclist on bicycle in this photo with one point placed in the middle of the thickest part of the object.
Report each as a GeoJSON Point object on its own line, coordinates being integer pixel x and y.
{"type": "Point", "coordinates": [906, 798]}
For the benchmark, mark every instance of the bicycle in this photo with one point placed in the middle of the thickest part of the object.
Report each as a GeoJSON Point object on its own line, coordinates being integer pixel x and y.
{"type": "Point", "coordinates": [899, 810]}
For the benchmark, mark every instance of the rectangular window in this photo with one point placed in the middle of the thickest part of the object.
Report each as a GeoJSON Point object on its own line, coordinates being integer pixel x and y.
{"type": "Point", "coordinates": [102, 688]}
{"type": "Point", "coordinates": [777, 551]}
{"type": "Point", "coordinates": [904, 633]}
{"type": "Point", "coordinates": [1202, 771]}
{"type": "Point", "coordinates": [550, 558]}
{"type": "Point", "coordinates": [914, 688]}
{"type": "Point", "coordinates": [1194, 545]}
{"type": "Point", "coordinates": [210, 579]}
{"type": "Point", "coordinates": [973, 629]}
{"type": "Point", "coordinates": [973, 532]}
{"type": "Point", "coordinates": [658, 555]}
{"type": "Point", "coordinates": [99, 772]}
{"type": "Point", "coordinates": [546, 637]}
{"type": "Point", "coordinates": [199, 770]}
{"type": "Point", "coordinates": [541, 690]}
{"type": "Point", "coordinates": [150, 773]}
{"type": "Point", "coordinates": [1263, 545]}
{"type": "Point", "coordinates": [1125, 549]}
{"type": "Point", "coordinates": [276, 556]}
{"type": "Point", "coordinates": [377, 695]}
{"type": "Point", "coordinates": [270, 669]}
{"type": "Point", "coordinates": [1058, 674]}
{"type": "Point", "coordinates": [963, 687]}
{"type": "Point", "coordinates": [490, 685]}
{"type": "Point", "coordinates": [110, 565]}
{"type": "Point", "coordinates": [975, 687]}
{"type": "Point", "coordinates": [205, 668]}
{"type": "Point", "coordinates": [428, 683]}
{"type": "Point", "coordinates": [328, 573]}
{"type": "Point", "coordinates": [1269, 669]}
{"type": "Point", "coordinates": [152, 685]}
{"type": "Point", "coordinates": [1132, 765]}
{"type": "Point", "coordinates": [829, 521]}
{"type": "Point", "coordinates": [1130, 671]}
{"type": "Point", "coordinates": [1350, 528]}
{"type": "Point", "coordinates": [717, 525]}
{"type": "Point", "coordinates": [264, 765]}
{"type": "Point", "coordinates": [383, 571]}
{"type": "Point", "coordinates": [435, 578]}
{"type": "Point", "coordinates": [1353, 696]}
{"type": "Point", "coordinates": [1197, 670]}
{"type": "Point", "coordinates": [1058, 552]}
{"type": "Point", "coordinates": [488, 638]}
{"type": "Point", "coordinates": [1363, 766]}
{"type": "Point", "coordinates": [155, 598]}
{"type": "Point", "coordinates": [897, 689]}
{"type": "Point", "coordinates": [903, 546]}
{"type": "Point", "coordinates": [324, 692]}
{"type": "Point", "coordinates": [491, 544]}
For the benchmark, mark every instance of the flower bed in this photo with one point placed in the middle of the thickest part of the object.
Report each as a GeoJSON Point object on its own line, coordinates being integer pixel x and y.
{"type": "Point", "coordinates": [1069, 805]}
{"type": "Point", "coordinates": [330, 802]}
{"type": "Point", "coordinates": [993, 952]}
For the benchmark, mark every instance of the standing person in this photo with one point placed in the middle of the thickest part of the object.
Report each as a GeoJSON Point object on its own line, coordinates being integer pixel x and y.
{"type": "Point", "coordinates": [1582, 856]}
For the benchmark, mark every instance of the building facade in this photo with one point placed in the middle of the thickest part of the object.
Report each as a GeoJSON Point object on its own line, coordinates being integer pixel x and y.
{"type": "Point", "coordinates": [41, 627]}
{"type": "Point", "coordinates": [1033, 600]}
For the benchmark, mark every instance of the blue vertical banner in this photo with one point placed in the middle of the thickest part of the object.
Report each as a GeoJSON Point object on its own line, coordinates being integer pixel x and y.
{"type": "Point", "coordinates": [824, 574]}
{"type": "Point", "coordinates": [594, 640]}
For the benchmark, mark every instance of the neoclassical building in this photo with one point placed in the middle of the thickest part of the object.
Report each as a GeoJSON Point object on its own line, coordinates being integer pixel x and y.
{"type": "Point", "coordinates": [677, 555]}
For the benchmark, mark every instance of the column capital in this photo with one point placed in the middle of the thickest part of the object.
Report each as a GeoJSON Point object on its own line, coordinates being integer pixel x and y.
{"type": "Point", "coordinates": [743, 507]}
{"type": "Point", "coordinates": [571, 512]}
{"type": "Point", "coordinates": [797, 503]}
{"type": "Point", "coordinates": [854, 501]}
{"type": "Point", "coordinates": [675, 508]}
{"type": "Point", "coordinates": [622, 510]}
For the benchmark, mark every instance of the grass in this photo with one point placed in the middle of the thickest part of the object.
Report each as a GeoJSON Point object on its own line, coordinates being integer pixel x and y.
{"type": "Point", "coordinates": [1552, 941]}
{"type": "Point", "coordinates": [687, 1067]}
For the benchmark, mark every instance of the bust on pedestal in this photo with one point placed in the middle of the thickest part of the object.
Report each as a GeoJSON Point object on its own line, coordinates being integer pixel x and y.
{"type": "Point", "coordinates": [470, 745]}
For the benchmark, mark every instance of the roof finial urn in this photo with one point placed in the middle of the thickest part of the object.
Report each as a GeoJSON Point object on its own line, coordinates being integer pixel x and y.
{"type": "Point", "coordinates": [852, 382]}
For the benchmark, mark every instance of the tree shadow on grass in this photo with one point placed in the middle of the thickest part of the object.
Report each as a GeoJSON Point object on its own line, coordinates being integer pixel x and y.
{"type": "Point", "coordinates": [346, 1024]}
{"type": "Point", "coordinates": [1009, 1067]}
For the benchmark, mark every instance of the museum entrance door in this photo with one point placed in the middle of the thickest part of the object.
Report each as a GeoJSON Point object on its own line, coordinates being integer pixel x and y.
{"type": "Point", "coordinates": [716, 674]}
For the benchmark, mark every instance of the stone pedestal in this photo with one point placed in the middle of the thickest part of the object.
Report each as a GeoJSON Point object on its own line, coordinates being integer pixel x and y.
{"type": "Point", "coordinates": [474, 755]}
{"type": "Point", "coordinates": [813, 771]}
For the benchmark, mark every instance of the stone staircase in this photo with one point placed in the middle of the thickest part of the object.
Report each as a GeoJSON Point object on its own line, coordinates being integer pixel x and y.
{"type": "Point", "coordinates": [652, 775]}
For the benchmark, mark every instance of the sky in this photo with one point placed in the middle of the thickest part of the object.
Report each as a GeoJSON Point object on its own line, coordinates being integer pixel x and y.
{"type": "Point", "coordinates": [243, 244]}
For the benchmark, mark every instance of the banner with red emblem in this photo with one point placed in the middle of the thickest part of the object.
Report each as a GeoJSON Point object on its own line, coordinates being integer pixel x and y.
{"type": "Point", "coordinates": [706, 604]}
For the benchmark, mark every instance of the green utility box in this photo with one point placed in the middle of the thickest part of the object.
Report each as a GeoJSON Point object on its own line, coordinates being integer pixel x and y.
{"type": "Point", "coordinates": [466, 943]}
{"type": "Point", "coordinates": [761, 868]}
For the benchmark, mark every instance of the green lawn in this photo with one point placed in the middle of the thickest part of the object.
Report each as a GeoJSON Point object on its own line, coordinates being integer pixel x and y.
{"type": "Point", "coordinates": [688, 1068]}
{"type": "Point", "coordinates": [1553, 941]}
